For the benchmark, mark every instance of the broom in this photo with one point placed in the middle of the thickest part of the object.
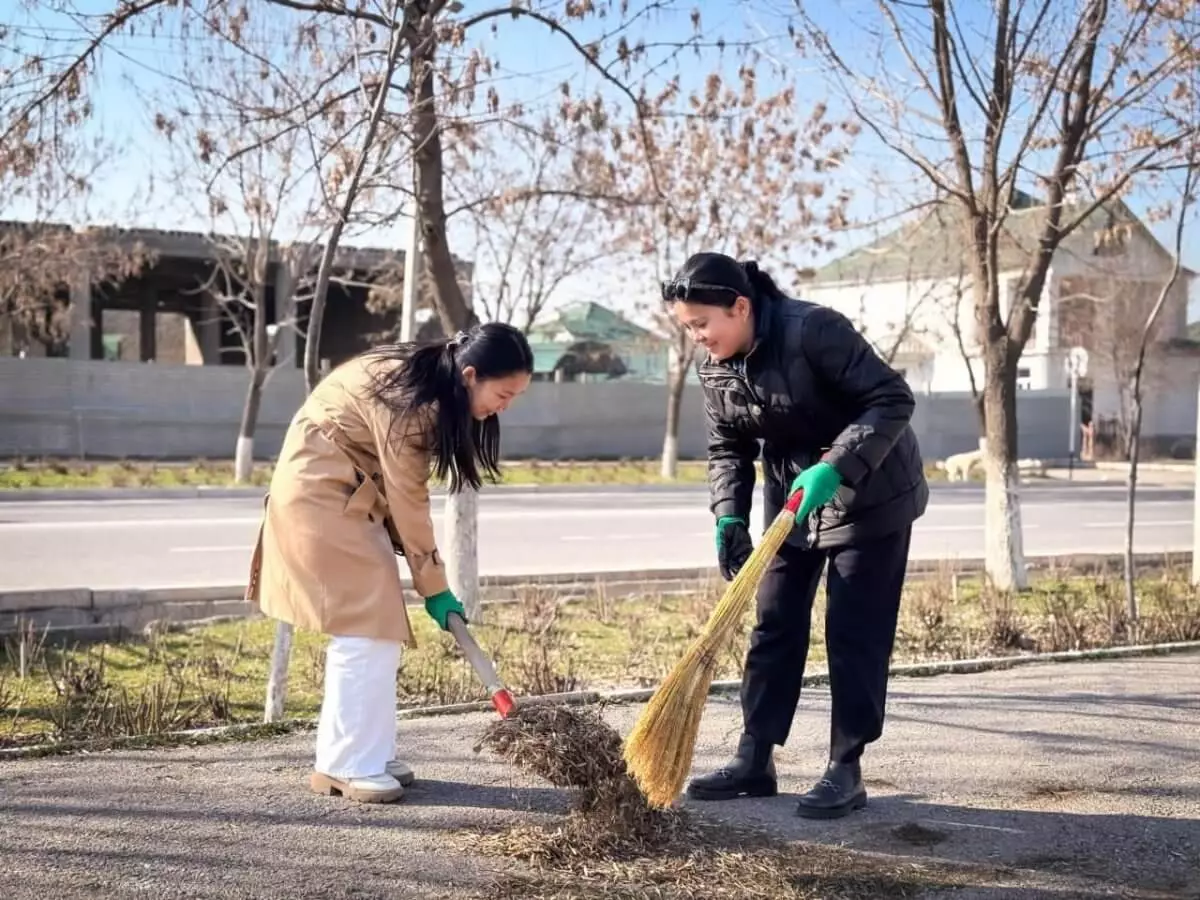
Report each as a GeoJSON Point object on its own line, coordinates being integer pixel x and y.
{"type": "Point", "coordinates": [501, 697]}
{"type": "Point", "coordinates": [658, 752]}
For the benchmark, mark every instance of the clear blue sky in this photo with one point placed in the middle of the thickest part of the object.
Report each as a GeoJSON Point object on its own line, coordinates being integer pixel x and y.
{"type": "Point", "coordinates": [137, 68]}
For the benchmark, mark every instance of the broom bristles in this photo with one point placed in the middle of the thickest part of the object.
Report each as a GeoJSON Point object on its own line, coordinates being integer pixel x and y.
{"type": "Point", "coordinates": [659, 749]}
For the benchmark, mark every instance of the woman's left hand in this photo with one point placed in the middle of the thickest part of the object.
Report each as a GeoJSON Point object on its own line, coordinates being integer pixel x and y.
{"type": "Point", "coordinates": [819, 483]}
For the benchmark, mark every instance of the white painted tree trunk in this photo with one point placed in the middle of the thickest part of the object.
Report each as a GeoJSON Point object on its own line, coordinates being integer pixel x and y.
{"type": "Point", "coordinates": [670, 456]}
{"type": "Point", "coordinates": [243, 459]}
{"type": "Point", "coordinates": [1004, 551]}
{"type": "Point", "coordinates": [461, 542]}
{"type": "Point", "coordinates": [277, 679]}
{"type": "Point", "coordinates": [676, 381]}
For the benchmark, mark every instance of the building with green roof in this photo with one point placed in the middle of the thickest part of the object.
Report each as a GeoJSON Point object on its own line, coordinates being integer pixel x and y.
{"type": "Point", "coordinates": [587, 341]}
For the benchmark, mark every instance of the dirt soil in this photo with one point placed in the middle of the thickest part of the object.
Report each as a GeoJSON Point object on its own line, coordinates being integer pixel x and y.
{"type": "Point", "coordinates": [1078, 780]}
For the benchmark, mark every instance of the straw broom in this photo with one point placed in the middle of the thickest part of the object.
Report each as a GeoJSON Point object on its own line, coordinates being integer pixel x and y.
{"type": "Point", "coordinates": [658, 752]}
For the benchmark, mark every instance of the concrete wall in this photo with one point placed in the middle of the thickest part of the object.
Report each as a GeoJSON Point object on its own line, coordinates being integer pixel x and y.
{"type": "Point", "coordinates": [76, 408]}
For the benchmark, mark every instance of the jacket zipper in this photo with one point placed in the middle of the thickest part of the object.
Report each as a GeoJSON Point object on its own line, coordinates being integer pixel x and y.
{"type": "Point", "coordinates": [814, 531]}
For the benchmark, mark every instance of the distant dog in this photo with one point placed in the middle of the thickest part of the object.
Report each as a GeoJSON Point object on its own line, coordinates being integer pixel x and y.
{"type": "Point", "coordinates": [958, 466]}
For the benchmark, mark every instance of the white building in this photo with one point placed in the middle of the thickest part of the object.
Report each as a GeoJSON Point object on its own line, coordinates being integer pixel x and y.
{"type": "Point", "coordinates": [910, 293]}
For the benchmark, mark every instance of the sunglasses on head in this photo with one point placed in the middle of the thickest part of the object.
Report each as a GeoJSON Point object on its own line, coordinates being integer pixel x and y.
{"type": "Point", "coordinates": [685, 288]}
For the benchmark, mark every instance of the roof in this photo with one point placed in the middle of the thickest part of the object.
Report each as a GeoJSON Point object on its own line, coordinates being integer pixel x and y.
{"type": "Point", "coordinates": [935, 246]}
{"type": "Point", "coordinates": [197, 245]}
{"type": "Point", "coordinates": [591, 321]}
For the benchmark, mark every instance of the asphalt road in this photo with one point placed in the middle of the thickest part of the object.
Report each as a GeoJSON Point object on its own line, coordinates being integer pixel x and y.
{"type": "Point", "coordinates": [117, 544]}
{"type": "Point", "coordinates": [1076, 780]}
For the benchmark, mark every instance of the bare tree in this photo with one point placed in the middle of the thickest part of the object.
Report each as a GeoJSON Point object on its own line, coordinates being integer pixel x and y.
{"type": "Point", "coordinates": [747, 177]}
{"type": "Point", "coordinates": [39, 264]}
{"type": "Point", "coordinates": [964, 343]}
{"type": "Point", "coordinates": [260, 186]}
{"type": "Point", "coordinates": [443, 81]}
{"type": "Point", "coordinates": [45, 184]}
{"type": "Point", "coordinates": [1106, 315]}
{"type": "Point", "coordinates": [1187, 198]}
{"type": "Point", "coordinates": [287, 154]}
{"type": "Point", "coordinates": [1065, 97]}
{"type": "Point", "coordinates": [610, 58]}
{"type": "Point", "coordinates": [534, 226]}
{"type": "Point", "coordinates": [359, 174]}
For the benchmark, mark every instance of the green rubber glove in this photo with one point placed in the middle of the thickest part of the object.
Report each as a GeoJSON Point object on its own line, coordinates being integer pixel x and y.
{"type": "Point", "coordinates": [734, 545]}
{"type": "Point", "coordinates": [439, 607]}
{"type": "Point", "coordinates": [819, 483]}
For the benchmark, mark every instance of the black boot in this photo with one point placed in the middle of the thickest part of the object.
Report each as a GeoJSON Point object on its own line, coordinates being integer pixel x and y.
{"type": "Point", "coordinates": [751, 773]}
{"type": "Point", "coordinates": [839, 792]}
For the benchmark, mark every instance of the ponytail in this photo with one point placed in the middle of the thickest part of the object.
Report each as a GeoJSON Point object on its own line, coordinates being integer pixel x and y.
{"type": "Point", "coordinates": [762, 284]}
{"type": "Point", "coordinates": [430, 375]}
{"type": "Point", "coordinates": [463, 449]}
{"type": "Point", "coordinates": [718, 280]}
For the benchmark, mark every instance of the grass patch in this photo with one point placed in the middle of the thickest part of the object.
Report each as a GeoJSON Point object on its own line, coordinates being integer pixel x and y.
{"type": "Point", "coordinates": [24, 474]}
{"type": "Point", "coordinates": [216, 674]}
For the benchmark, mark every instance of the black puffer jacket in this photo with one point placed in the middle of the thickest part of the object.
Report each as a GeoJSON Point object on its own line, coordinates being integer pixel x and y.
{"type": "Point", "coordinates": [812, 388]}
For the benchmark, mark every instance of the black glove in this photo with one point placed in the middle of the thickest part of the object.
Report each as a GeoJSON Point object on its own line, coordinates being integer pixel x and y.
{"type": "Point", "coordinates": [733, 545]}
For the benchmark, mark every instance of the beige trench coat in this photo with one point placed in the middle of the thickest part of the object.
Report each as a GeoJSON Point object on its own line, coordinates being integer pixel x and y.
{"type": "Point", "coordinates": [342, 502]}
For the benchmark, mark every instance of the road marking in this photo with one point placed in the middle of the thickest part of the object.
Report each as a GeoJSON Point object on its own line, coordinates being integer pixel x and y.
{"type": "Point", "coordinates": [1142, 523]}
{"type": "Point", "coordinates": [659, 535]}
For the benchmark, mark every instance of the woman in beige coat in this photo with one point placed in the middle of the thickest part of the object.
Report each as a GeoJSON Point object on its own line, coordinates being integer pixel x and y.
{"type": "Point", "coordinates": [350, 492]}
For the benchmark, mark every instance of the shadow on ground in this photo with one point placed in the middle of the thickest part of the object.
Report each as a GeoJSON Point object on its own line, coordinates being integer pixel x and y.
{"type": "Point", "coordinates": [901, 846]}
{"type": "Point", "coordinates": [1076, 781]}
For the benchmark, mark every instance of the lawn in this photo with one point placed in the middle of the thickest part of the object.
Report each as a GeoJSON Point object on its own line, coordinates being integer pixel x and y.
{"type": "Point", "coordinates": [216, 674]}
{"type": "Point", "coordinates": [24, 474]}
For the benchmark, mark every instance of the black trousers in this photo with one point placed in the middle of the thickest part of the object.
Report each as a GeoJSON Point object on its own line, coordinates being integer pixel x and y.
{"type": "Point", "coordinates": [864, 585]}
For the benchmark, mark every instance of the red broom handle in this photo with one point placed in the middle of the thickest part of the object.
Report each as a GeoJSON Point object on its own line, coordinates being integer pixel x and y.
{"type": "Point", "coordinates": [793, 502]}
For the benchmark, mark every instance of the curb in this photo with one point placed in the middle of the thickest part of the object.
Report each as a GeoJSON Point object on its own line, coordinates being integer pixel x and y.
{"type": "Point", "coordinates": [33, 599]}
{"type": "Point", "coordinates": [82, 597]}
{"type": "Point", "coordinates": [258, 730]}
{"type": "Point", "coordinates": [1180, 467]}
{"type": "Point", "coordinates": [204, 492]}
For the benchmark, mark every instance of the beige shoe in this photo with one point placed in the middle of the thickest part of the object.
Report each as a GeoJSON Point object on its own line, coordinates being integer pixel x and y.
{"type": "Point", "coordinates": [401, 771]}
{"type": "Point", "coordinates": [371, 789]}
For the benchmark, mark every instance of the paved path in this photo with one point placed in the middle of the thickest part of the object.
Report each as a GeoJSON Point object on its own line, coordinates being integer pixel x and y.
{"type": "Point", "coordinates": [1082, 779]}
{"type": "Point", "coordinates": [206, 542]}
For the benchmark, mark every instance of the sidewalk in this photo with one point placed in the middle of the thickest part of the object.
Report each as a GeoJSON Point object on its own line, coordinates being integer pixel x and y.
{"type": "Point", "coordinates": [1165, 474]}
{"type": "Point", "coordinates": [1072, 780]}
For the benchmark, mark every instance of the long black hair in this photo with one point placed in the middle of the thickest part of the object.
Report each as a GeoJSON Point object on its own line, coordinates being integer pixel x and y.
{"type": "Point", "coordinates": [464, 449]}
{"type": "Point", "coordinates": [714, 279]}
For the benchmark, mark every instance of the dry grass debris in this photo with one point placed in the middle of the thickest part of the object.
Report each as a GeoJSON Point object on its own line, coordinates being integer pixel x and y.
{"type": "Point", "coordinates": [573, 747]}
{"type": "Point", "coordinates": [613, 844]}
{"type": "Point", "coordinates": [721, 863]}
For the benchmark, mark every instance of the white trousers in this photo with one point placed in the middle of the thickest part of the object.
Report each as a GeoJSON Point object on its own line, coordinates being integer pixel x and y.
{"type": "Point", "coordinates": [356, 732]}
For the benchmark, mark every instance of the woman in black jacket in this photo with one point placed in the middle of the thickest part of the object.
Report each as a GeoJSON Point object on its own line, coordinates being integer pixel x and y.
{"type": "Point", "coordinates": [833, 419]}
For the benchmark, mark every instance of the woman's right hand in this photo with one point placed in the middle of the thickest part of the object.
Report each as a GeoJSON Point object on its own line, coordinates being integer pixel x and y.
{"type": "Point", "coordinates": [734, 545]}
{"type": "Point", "coordinates": [439, 607]}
